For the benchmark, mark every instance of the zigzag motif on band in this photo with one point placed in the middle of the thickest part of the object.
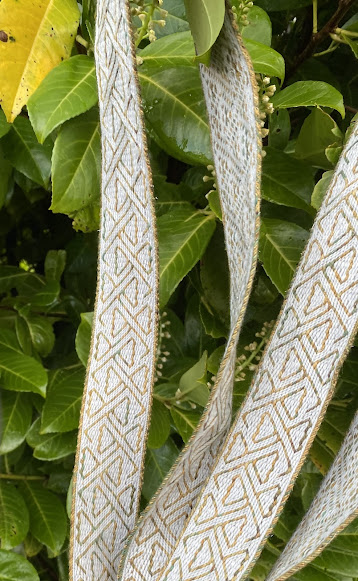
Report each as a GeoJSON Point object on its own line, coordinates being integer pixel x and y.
{"type": "Point", "coordinates": [334, 506]}
{"type": "Point", "coordinates": [117, 397]}
{"type": "Point", "coordinates": [281, 414]}
{"type": "Point", "coordinates": [232, 109]}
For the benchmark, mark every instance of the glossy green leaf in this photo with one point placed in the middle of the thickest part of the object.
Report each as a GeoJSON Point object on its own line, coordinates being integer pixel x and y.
{"type": "Point", "coordinates": [14, 516]}
{"type": "Point", "coordinates": [174, 106]}
{"type": "Point", "coordinates": [55, 263]}
{"type": "Point", "coordinates": [46, 295]}
{"type": "Point", "coordinates": [14, 567]}
{"type": "Point", "coordinates": [169, 51]}
{"type": "Point", "coordinates": [4, 125]}
{"type": "Point", "coordinates": [183, 236]}
{"type": "Point", "coordinates": [157, 464]}
{"type": "Point", "coordinates": [32, 546]}
{"type": "Point", "coordinates": [280, 129]}
{"type": "Point", "coordinates": [14, 277]}
{"type": "Point", "coordinates": [185, 421]}
{"type": "Point", "coordinates": [76, 165]}
{"type": "Point", "coordinates": [16, 414]}
{"type": "Point", "coordinates": [26, 154]}
{"type": "Point", "coordinates": [194, 376]}
{"type": "Point", "coordinates": [265, 60]}
{"type": "Point", "coordinates": [19, 372]}
{"type": "Point", "coordinates": [259, 27]}
{"type": "Point", "coordinates": [175, 19]}
{"type": "Point", "coordinates": [67, 91]}
{"type": "Point", "coordinates": [318, 132]}
{"type": "Point", "coordinates": [41, 333]}
{"type": "Point", "coordinates": [48, 520]}
{"type": "Point", "coordinates": [309, 93]}
{"type": "Point", "coordinates": [83, 337]}
{"type": "Point", "coordinates": [281, 245]}
{"type": "Point", "coordinates": [61, 412]}
{"type": "Point", "coordinates": [320, 189]}
{"type": "Point", "coordinates": [214, 277]}
{"type": "Point", "coordinates": [50, 446]}
{"type": "Point", "coordinates": [286, 180]}
{"type": "Point", "coordinates": [206, 18]}
{"type": "Point", "coordinates": [159, 425]}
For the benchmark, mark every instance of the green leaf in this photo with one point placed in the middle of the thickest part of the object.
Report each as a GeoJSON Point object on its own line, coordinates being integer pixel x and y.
{"type": "Point", "coordinates": [157, 464]}
{"type": "Point", "coordinates": [280, 129]}
{"type": "Point", "coordinates": [320, 189]}
{"type": "Point", "coordinates": [185, 421]}
{"type": "Point", "coordinates": [14, 277]}
{"type": "Point", "coordinates": [159, 425]}
{"type": "Point", "coordinates": [61, 411]}
{"type": "Point", "coordinates": [169, 51]}
{"type": "Point", "coordinates": [46, 295]}
{"type": "Point", "coordinates": [214, 203]}
{"type": "Point", "coordinates": [48, 520]}
{"type": "Point", "coordinates": [286, 180]}
{"type": "Point", "coordinates": [265, 60]}
{"type": "Point", "coordinates": [55, 263]}
{"type": "Point", "coordinates": [214, 277]}
{"type": "Point", "coordinates": [67, 91]}
{"type": "Point", "coordinates": [5, 175]}
{"type": "Point", "coordinates": [14, 567]}
{"type": "Point", "coordinates": [206, 18]}
{"type": "Point", "coordinates": [281, 245]}
{"type": "Point", "coordinates": [76, 165]}
{"type": "Point", "coordinates": [26, 154]}
{"type": "Point", "coordinates": [14, 516]}
{"type": "Point", "coordinates": [83, 337]}
{"type": "Point", "coordinates": [41, 333]}
{"type": "Point", "coordinates": [309, 93]}
{"type": "Point", "coordinates": [19, 372]}
{"type": "Point", "coordinates": [183, 236]}
{"type": "Point", "coordinates": [174, 21]}
{"type": "Point", "coordinates": [174, 106]}
{"type": "Point", "coordinates": [4, 125]}
{"type": "Point", "coordinates": [32, 546]}
{"type": "Point", "coordinates": [16, 414]}
{"type": "Point", "coordinates": [318, 132]}
{"type": "Point", "coordinates": [51, 446]}
{"type": "Point", "coordinates": [194, 376]}
{"type": "Point", "coordinates": [259, 27]}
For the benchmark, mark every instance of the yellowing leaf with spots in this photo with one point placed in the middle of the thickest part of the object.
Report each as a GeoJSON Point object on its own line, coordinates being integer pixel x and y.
{"type": "Point", "coordinates": [35, 36]}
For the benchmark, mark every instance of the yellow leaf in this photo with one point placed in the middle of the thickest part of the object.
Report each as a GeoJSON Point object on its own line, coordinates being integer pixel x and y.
{"type": "Point", "coordinates": [35, 36]}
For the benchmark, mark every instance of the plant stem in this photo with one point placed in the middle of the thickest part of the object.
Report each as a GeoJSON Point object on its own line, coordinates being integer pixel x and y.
{"type": "Point", "coordinates": [144, 28]}
{"type": "Point", "coordinates": [315, 16]}
{"type": "Point", "coordinates": [346, 32]}
{"type": "Point", "coordinates": [316, 39]}
{"type": "Point", "coordinates": [20, 477]}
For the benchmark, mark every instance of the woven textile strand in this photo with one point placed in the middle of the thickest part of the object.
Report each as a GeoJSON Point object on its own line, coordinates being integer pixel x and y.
{"type": "Point", "coordinates": [335, 505]}
{"type": "Point", "coordinates": [283, 409]}
{"type": "Point", "coordinates": [229, 90]}
{"type": "Point", "coordinates": [117, 397]}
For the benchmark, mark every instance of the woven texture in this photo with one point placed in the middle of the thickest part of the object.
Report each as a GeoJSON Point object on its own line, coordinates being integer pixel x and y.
{"type": "Point", "coordinates": [281, 414]}
{"type": "Point", "coordinates": [232, 111]}
{"type": "Point", "coordinates": [117, 397]}
{"type": "Point", "coordinates": [335, 505]}
{"type": "Point", "coordinates": [220, 501]}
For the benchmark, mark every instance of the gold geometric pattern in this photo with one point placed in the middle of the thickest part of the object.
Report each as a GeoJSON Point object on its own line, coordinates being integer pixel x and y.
{"type": "Point", "coordinates": [335, 505]}
{"type": "Point", "coordinates": [282, 411]}
{"type": "Point", "coordinates": [117, 397]}
{"type": "Point", "coordinates": [237, 157]}
{"type": "Point", "coordinates": [212, 515]}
